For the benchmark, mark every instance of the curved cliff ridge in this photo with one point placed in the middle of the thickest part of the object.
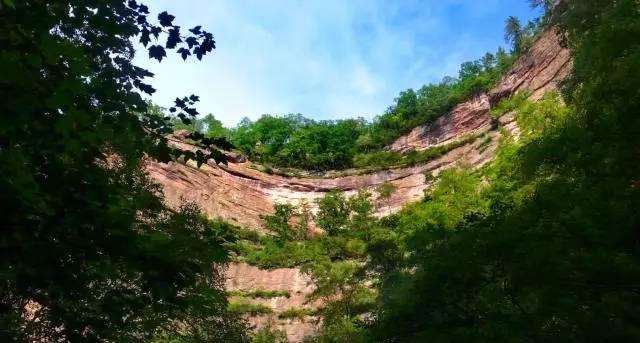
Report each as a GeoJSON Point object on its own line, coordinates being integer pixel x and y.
{"type": "Point", "coordinates": [538, 72]}
{"type": "Point", "coordinates": [239, 194]}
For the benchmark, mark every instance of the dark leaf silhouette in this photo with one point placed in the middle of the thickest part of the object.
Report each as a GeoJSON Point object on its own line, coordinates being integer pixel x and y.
{"type": "Point", "coordinates": [165, 19]}
{"type": "Point", "coordinates": [174, 38]}
{"type": "Point", "coordinates": [157, 52]}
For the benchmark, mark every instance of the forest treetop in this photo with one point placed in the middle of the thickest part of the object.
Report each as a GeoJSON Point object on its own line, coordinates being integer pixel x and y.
{"type": "Point", "coordinates": [295, 141]}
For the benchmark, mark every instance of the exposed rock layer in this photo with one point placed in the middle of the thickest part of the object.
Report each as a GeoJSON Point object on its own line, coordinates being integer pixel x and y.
{"type": "Point", "coordinates": [245, 277]}
{"type": "Point", "coordinates": [537, 72]}
{"type": "Point", "coordinates": [240, 194]}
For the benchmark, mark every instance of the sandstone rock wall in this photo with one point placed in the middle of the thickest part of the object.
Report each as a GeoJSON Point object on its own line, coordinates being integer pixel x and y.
{"type": "Point", "coordinates": [538, 72]}
{"type": "Point", "coordinates": [240, 194]}
{"type": "Point", "coordinates": [241, 276]}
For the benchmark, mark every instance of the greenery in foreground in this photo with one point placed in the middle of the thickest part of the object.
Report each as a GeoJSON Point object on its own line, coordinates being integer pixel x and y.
{"type": "Point", "coordinates": [90, 251]}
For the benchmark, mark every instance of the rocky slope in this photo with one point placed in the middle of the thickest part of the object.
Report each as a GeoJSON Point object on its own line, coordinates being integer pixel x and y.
{"type": "Point", "coordinates": [537, 72]}
{"type": "Point", "coordinates": [241, 194]}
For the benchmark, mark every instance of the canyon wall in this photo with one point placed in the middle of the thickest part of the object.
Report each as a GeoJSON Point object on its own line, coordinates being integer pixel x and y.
{"type": "Point", "coordinates": [240, 194]}
{"type": "Point", "coordinates": [536, 72]}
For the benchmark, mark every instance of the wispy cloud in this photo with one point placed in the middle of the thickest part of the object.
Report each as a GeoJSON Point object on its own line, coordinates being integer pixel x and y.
{"type": "Point", "coordinates": [326, 59]}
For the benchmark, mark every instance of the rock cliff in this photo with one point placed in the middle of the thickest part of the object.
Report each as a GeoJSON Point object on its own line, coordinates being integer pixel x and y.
{"type": "Point", "coordinates": [241, 194]}
{"type": "Point", "coordinates": [537, 72]}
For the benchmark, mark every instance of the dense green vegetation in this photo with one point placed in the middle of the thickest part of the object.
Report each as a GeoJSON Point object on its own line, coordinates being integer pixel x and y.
{"type": "Point", "coordinates": [89, 250]}
{"type": "Point", "coordinates": [335, 261]}
{"type": "Point", "coordinates": [298, 142]}
{"type": "Point", "coordinates": [295, 313]}
{"type": "Point", "coordinates": [541, 245]}
{"type": "Point", "coordinates": [259, 293]}
{"type": "Point", "coordinates": [388, 159]}
{"type": "Point", "coordinates": [269, 335]}
{"type": "Point", "coordinates": [245, 307]}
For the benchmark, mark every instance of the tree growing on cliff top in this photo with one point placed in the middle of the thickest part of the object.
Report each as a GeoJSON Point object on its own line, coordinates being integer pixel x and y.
{"type": "Point", "coordinates": [514, 34]}
{"type": "Point", "coordinates": [89, 250]}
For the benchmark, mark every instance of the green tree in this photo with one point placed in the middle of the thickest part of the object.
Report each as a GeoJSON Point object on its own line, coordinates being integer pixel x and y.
{"type": "Point", "coordinates": [344, 297]}
{"type": "Point", "coordinates": [546, 5]}
{"type": "Point", "coordinates": [514, 34]}
{"type": "Point", "coordinates": [268, 334]}
{"type": "Point", "coordinates": [280, 222]}
{"type": "Point", "coordinates": [213, 128]}
{"type": "Point", "coordinates": [361, 212]}
{"type": "Point", "coordinates": [89, 250]}
{"type": "Point", "coordinates": [333, 213]}
{"type": "Point", "coordinates": [559, 199]}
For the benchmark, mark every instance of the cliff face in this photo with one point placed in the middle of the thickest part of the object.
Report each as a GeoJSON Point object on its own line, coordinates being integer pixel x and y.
{"type": "Point", "coordinates": [537, 72]}
{"type": "Point", "coordinates": [239, 194]}
{"type": "Point", "coordinates": [292, 280]}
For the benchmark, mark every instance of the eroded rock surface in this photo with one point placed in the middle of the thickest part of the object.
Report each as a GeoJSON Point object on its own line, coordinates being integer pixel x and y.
{"type": "Point", "coordinates": [240, 194]}
{"type": "Point", "coordinates": [537, 72]}
{"type": "Point", "coordinates": [241, 276]}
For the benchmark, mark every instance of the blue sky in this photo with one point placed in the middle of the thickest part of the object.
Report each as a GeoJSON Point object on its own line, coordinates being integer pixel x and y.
{"type": "Point", "coordinates": [326, 59]}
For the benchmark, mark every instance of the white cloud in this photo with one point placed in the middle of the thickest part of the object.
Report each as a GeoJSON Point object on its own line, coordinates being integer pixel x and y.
{"type": "Point", "coordinates": [326, 59]}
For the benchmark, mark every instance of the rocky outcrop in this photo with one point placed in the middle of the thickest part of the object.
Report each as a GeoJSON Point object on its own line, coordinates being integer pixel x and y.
{"type": "Point", "coordinates": [240, 194]}
{"type": "Point", "coordinates": [469, 117]}
{"type": "Point", "coordinates": [537, 72]}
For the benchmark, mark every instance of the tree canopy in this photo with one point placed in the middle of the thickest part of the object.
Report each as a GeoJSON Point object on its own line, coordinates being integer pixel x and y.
{"type": "Point", "coordinates": [89, 250]}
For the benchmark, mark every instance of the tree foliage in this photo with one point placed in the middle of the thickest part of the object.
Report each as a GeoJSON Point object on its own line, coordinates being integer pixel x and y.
{"type": "Point", "coordinates": [89, 250]}
{"type": "Point", "coordinates": [298, 142]}
{"type": "Point", "coordinates": [548, 249]}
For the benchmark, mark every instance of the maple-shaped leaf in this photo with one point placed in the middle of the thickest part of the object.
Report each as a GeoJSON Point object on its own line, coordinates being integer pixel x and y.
{"type": "Point", "coordinates": [180, 102]}
{"type": "Point", "coordinates": [174, 38]}
{"type": "Point", "coordinates": [165, 18]}
{"type": "Point", "coordinates": [146, 88]}
{"type": "Point", "coordinates": [199, 52]}
{"type": "Point", "coordinates": [155, 30]}
{"type": "Point", "coordinates": [157, 52]}
{"type": "Point", "coordinates": [191, 41]}
{"type": "Point", "coordinates": [184, 53]}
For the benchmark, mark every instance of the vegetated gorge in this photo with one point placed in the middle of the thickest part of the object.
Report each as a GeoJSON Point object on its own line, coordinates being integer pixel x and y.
{"type": "Point", "coordinates": [496, 206]}
{"type": "Point", "coordinates": [240, 194]}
